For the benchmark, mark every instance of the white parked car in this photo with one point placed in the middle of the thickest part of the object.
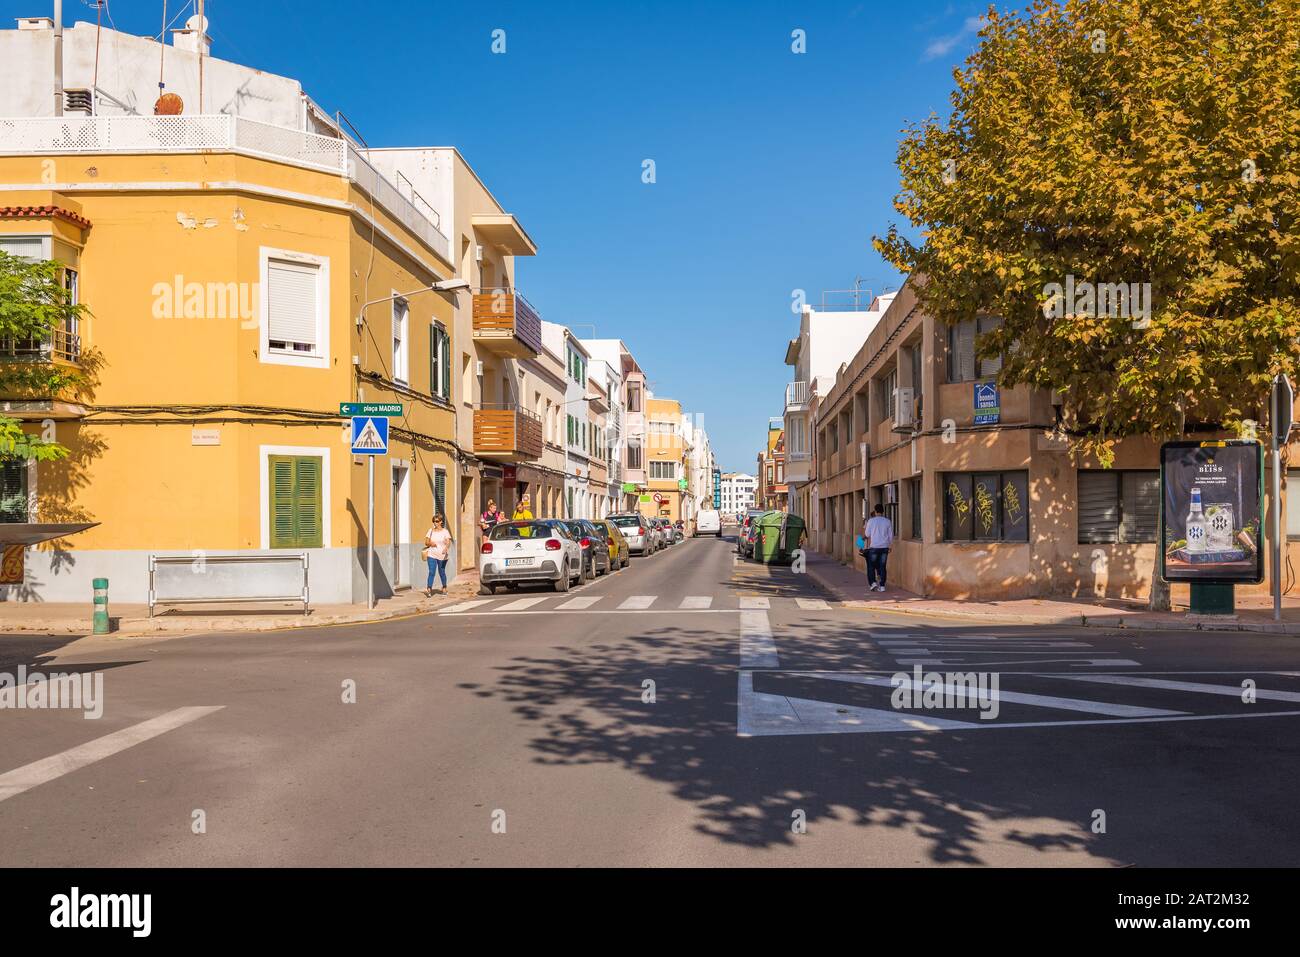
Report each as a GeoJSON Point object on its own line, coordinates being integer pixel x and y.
{"type": "Point", "coordinates": [643, 538]}
{"type": "Point", "coordinates": [708, 522]}
{"type": "Point", "coordinates": [530, 552]}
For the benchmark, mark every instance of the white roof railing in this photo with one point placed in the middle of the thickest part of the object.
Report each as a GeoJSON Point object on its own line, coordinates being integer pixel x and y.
{"type": "Point", "coordinates": [221, 132]}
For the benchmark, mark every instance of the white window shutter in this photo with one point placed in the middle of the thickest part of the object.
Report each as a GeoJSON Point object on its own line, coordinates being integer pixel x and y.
{"type": "Point", "coordinates": [292, 303]}
{"type": "Point", "coordinates": [24, 247]}
{"type": "Point", "coordinates": [966, 351]}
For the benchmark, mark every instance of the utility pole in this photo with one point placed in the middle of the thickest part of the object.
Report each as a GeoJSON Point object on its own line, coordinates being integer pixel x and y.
{"type": "Point", "coordinates": [1282, 400]}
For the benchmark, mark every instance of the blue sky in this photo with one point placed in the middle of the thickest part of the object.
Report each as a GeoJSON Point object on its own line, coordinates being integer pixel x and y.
{"type": "Point", "coordinates": [773, 169]}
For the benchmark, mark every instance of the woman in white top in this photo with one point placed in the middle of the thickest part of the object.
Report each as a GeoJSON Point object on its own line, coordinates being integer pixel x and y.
{"type": "Point", "coordinates": [437, 548]}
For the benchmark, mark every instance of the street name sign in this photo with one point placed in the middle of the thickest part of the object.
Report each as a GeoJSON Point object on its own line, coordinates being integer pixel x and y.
{"type": "Point", "coordinates": [386, 409]}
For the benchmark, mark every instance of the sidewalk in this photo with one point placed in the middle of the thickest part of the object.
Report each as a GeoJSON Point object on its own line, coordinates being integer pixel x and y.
{"type": "Point", "coordinates": [133, 621]}
{"type": "Point", "coordinates": [848, 585]}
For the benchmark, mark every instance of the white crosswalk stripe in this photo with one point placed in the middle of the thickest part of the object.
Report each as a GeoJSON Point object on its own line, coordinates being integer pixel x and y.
{"type": "Point", "coordinates": [754, 603]}
{"type": "Point", "coordinates": [696, 601]}
{"type": "Point", "coordinates": [466, 606]}
{"type": "Point", "coordinates": [1230, 691]}
{"type": "Point", "coordinates": [1013, 697]}
{"type": "Point", "coordinates": [520, 604]}
{"type": "Point", "coordinates": [582, 601]}
{"type": "Point", "coordinates": [812, 604]}
{"type": "Point", "coordinates": [637, 602]}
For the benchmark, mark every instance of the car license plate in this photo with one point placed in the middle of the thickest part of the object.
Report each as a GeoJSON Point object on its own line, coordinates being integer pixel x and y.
{"type": "Point", "coordinates": [518, 561]}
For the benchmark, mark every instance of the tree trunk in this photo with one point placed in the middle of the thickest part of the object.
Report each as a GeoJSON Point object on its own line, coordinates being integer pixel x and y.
{"type": "Point", "coordinates": [1159, 599]}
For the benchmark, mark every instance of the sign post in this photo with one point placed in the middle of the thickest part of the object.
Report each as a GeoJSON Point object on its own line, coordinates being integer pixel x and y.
{"type": "Point", "coordinates": [1279, 420]}
{"type": "Point", "coordinates": [370, 438]}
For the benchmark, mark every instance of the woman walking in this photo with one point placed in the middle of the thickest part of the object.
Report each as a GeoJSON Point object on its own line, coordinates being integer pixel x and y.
{"type": "Point", "coordinates": [437, 548]}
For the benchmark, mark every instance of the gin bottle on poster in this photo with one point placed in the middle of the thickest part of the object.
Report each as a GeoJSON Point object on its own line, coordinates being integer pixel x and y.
{"type": "Point", "coordinates": [1196, 527]}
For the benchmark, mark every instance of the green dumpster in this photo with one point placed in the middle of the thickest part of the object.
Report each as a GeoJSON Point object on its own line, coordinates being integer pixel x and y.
{"type": "Point", "coordinates": [779, 534]}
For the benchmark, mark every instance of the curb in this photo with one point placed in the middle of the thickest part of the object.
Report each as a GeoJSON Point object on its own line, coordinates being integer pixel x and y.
{"type": "Point", "coordinates": [1121, 622]}
{"type": "Point", "coordinates": [252, 624]}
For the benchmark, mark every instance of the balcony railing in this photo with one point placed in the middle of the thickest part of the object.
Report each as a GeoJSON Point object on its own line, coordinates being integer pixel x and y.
{"type": "Point", "coordinates": [507, 432]}
{"type": "Point", "coordinates": [796, 395]}
{"type": "Point", "coordinates": [59, 346]}
{"type": "Point", "coordinates": [215, 133]}
{"type": "Point", "coordinates": [506, 323]}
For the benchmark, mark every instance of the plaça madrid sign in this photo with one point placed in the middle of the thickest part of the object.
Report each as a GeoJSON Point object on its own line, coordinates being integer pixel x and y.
{"type": "Point", "coordinates": [1210, 512]}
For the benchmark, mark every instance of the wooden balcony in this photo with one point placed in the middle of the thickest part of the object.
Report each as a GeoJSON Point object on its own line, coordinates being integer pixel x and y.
{"type": "Point", "coordinates": [507, 434]}
{"type": "Point", "coordinates": [506, 324]}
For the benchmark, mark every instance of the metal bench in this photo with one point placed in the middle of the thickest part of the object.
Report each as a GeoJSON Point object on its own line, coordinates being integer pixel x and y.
{"type": "Point", "coordinates": [204, 579]}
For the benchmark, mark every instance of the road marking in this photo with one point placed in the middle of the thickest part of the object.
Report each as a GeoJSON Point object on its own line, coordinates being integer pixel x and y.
{"type": "Point", "coordinates": [65, 762]}
{"type": "Point", "coordinates": [637, 602]}
{"type": "Point", "coordinates": [760, 713]}
{"type": "Point", "coordinates": [753, 603]}
{"type": "Point", "coordinates": [696, 601]}
{"type": "Point", "coordinates": [960, 645]}
{"type": "Point", "coordinates": [757, 646]}
{"type": "Point", "coordinates": [465, 606]}
{"type": "Point", "coordinates": [1013, 697]}
{"type": "Point", "coordinates": [519, 604]}
{"type": "Point", "coordinates": [812, 604]}
{"type": "Point", "coordinates": [1087, 662]}
{"type": "Point", "coordinates": [582, 601]}
{"type": "Point", "coordinates": [1194, 686]}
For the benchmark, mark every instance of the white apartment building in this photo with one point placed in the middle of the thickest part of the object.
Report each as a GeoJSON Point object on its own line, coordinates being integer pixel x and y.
{"type": "Point", "coordinates": [738, 491]}
{"type": "Point", "coordinates": [829, 336]}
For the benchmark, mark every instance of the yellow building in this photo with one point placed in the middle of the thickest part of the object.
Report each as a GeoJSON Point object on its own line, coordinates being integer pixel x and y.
{"type": "Point", "coordinates": [242, 279]}
{"type": "Point", "coordinates": [666, 457]}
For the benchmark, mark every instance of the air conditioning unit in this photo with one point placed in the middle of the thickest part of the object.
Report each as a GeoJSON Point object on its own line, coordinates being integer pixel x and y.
{"type": "Point", "coordinates": [904, 410]}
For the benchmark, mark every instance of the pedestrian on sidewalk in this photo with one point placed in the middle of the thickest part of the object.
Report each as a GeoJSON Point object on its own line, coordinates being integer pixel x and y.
{"type": "Point", "coordinates": [437, 549]}
{"type": "Point", "coordinates": [491, 515]}
{"type": "Point", "coordinates": [524, 511]}
{"type": "Point", "coordinates": [879, 535]}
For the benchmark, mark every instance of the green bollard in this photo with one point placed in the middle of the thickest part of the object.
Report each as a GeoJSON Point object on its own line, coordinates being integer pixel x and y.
{"type": "Point", "coordinates": [101, 606]}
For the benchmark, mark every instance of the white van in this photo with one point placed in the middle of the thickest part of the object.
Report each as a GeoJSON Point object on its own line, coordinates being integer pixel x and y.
{"type": "Point", "coordinates": [708, 522]}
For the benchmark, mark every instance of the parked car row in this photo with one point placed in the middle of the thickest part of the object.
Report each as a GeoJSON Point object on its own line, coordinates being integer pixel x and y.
{"type": "Point", "coordinates": [564, 552]}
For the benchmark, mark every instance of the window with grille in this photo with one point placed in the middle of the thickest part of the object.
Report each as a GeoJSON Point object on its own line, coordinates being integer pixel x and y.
{"type": "Point", "coordinates": [1118, 506]}
{"type": "Point", "coordinates": [663, 470]}
{"type": "Point", "coordinates": [296, 507]}
{"type": "Point", "coordinates": [986, 506]}
{"type": "Point", "coordinates": [13, 491]}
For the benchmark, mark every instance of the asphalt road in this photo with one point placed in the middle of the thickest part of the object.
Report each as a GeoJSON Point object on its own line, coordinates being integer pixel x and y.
{"type": "Point", "coordinates": [512, 732]}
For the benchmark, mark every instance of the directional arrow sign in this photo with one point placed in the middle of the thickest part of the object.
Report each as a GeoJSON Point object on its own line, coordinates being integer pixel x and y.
{"type": "Point", "coordinates": [369, 435]}
{"type": "Point", "coordinates": [388, 409]}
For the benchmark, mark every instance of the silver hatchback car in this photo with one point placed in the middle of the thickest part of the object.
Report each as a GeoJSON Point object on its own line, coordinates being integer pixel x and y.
{"type": "Point", "coordinates": [643, 536]}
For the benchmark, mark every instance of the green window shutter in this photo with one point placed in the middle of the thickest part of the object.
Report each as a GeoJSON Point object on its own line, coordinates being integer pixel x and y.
{"type": "Point", "coordinates": [446, 366]}
{"type": "Point", "coordinates": [13, 491]}
{"type": "Point", "coordinates": [440, 492]}
{"type": "Point", "coordinates": [434, 387]}
{"type": "Point", "coordinates": [307, 502]}
{"type": "Point", "coordinates": [281, 489]}
{"type": "Point", "coordinates": [296, 512]}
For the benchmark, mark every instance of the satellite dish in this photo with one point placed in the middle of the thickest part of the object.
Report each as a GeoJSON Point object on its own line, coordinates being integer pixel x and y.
{"type": "Point", "coordinates": [169, 104]}
{"type": "Point", "coordinates": [197, 23]}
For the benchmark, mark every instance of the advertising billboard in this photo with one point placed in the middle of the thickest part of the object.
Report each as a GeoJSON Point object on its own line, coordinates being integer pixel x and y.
{"type": "Point", "coordinates": [1210, 515]}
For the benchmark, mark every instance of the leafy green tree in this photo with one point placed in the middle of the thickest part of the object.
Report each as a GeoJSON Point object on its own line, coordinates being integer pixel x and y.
{"type": "Point", "coordinates": [33, 304]}
{"type": "Point", "coordinates": [1119, 141]}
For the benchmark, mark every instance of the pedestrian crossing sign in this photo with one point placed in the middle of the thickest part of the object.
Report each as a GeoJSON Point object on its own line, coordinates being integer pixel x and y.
{"type": "Point", "coordinates": [369, 435]}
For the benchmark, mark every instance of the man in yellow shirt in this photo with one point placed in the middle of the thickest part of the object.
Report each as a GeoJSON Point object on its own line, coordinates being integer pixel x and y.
{"type": "Point", "coordinates": [523, 512]}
